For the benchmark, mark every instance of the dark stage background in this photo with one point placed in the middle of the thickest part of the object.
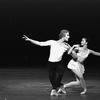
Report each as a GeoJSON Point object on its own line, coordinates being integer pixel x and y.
{"type": "Point", "coordinates": [42, 20]}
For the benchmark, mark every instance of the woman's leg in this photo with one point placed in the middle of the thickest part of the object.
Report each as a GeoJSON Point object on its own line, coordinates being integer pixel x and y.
{"type": "Point", "coordinates": [83, 85]}
{"type": "Point", "coordinates": [81, 78]}
{"type": "Point", "coordinates": [77, 82]}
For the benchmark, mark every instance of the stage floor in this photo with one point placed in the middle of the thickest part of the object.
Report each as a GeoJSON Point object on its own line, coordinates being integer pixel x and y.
{"type": "Point", "coordinates": [33, 84]}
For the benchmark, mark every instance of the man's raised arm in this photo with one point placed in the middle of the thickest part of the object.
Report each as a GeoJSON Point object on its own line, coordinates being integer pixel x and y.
{"type": "Point", "coordinates": [46, 43]}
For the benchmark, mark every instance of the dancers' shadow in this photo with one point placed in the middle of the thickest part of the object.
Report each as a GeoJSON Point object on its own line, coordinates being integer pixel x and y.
{"type": "Point", "coordinates": [90, 87]}
{"type": "Point", "coordinates": [78, 89]}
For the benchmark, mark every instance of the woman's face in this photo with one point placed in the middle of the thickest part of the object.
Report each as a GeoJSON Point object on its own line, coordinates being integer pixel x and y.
{"type": "Point", "coordinates": [83, 42]}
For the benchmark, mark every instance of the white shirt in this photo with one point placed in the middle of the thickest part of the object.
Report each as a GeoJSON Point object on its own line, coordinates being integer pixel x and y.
{"type": "Point", "coordinates": [56, 51]}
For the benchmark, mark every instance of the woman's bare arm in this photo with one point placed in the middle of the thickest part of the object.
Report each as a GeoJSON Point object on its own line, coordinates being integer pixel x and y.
{"type": "Point", "coordinates": [71, 48]}
{"type": "Point", "coordinates": [95, 53]}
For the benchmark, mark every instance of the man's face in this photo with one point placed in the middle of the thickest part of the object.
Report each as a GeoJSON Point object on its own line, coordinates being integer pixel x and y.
{"type": "Point", "coordinates": [67, 36]}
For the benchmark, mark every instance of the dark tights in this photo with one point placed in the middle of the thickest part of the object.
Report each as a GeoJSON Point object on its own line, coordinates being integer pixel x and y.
{"type": "Point", "coordinates": [56, 70]}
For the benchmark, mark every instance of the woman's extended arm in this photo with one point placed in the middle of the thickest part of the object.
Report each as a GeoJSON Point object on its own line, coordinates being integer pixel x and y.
{"type": "Point", "coordinates": [95, 53]}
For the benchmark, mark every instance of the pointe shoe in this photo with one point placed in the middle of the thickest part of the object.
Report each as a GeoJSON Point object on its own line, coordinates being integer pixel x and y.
{"type": "Point", "coordinates": [84, 92]}
{"type": "Point", "coordinates": [53, 93]}
{"type": "Point", "coordinates": [62, 90]}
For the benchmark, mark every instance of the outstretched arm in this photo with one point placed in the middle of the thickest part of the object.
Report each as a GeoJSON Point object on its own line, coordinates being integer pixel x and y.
{"type": "Point", "coordinates": [47, 43]}
{"type": "Point", "coordinates": [95, 53]}
{"type": "Point", "coordinates": [32, 41]}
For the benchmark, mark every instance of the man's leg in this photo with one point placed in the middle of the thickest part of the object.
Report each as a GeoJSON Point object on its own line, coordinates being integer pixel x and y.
{"type": "Point", "coordinates": [60, 72]}
{"type": "Point", "coordinates": [52, 77]}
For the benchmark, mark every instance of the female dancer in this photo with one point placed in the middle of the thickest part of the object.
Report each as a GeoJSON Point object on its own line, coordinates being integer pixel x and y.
{"type": "Point", "coordinates": [76, 64]}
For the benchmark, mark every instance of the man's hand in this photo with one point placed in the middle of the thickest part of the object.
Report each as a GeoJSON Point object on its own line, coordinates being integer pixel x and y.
{"type": "Point", "coordinates": [25, 37]}
{"type": "Point", "coordinates": [67, 45]}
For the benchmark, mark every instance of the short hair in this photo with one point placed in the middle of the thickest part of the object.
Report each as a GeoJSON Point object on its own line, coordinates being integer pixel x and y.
{"type": "Point", "coordinates": [63, 33]}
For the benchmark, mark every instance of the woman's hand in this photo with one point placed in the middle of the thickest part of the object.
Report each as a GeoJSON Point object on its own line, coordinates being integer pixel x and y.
{"type": "Point", "coordinates": [76, 45]}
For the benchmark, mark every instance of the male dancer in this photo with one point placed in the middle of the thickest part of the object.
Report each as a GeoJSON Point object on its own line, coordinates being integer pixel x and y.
{"type": "Point", "coordinates": [55, 66]}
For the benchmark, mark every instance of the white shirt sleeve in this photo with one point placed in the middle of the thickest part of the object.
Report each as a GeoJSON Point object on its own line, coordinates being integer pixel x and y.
{"type": "Point", "coordinates": [46, 43]}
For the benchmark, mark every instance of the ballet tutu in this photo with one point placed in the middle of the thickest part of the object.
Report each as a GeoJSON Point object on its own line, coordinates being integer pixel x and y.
{"type": "Point", "coordinates": [76, 65]}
